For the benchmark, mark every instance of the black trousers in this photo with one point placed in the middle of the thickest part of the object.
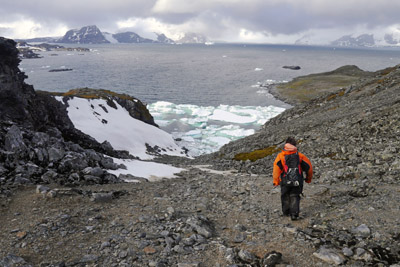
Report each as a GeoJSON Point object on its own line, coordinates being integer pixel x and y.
{"type": "Point", "coordinates": [290, 198]}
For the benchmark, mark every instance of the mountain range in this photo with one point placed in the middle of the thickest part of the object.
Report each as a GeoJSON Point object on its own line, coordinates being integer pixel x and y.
{"type": "Point", "coordinates": [93, 35]}
{"type": "Point", "coordinates": [354, 40]}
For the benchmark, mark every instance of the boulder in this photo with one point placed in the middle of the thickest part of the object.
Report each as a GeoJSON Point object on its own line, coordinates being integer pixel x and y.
{"type": "Point", "coordinates": [362, 231]}
{"type": "Point", "coordinates": [72, 161]}
{"type": "Point", "coordinates": [201, 225]}
{"type": "Point", "coordinates": [329, 255]}
{"type": "Point", "coordinates": [14, 141]}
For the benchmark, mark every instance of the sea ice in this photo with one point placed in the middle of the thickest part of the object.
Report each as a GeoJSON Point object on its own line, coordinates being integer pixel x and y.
{"type": "Point", "coordinates": [222, 115]}
{"type": "Point", "coordinates": [208, 128]}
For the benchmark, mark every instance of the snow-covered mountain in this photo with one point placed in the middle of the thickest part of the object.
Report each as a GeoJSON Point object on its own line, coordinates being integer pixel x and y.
{"type": "Point", "coordinates": [93, 35]}
{"type": "Point", "coordinates": [368, 40]}
{"type": "Point", "coordinates": [161, 38]}
{"type": "Point", "coordinates": [364, 40]}
{"type": "Point", "coordinates": [130, 37]}
{"type": "Point", "coordinates": [85, 35]}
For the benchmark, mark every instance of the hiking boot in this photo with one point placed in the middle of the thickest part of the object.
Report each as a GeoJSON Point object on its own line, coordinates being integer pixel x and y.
{"type": "Point", "coordinates": [294, 217]}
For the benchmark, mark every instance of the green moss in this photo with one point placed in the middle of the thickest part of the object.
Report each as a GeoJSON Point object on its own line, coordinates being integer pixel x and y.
{"type": "Point", "coordinates": [257, 154]}
{"type": "Point", "coordinates": [299, 83]}
{"type": "Point", "coordinates": [94, 94]}
{"type": "Point", "coordinates": [305, 88]}
{"type": "Point", "coordinates": [388, 70]}
{"type": "Point", "coordinates": [335, 95]}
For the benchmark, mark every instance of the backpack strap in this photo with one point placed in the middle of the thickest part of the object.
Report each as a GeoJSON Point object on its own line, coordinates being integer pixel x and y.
{"type": "Point", "coordinates": [297, 153]}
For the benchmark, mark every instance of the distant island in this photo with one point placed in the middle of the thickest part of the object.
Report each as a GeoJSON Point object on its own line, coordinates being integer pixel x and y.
{"type": "Point", "coordinates": [27, 50]}
{"type": "Point", "coordinates": [93, 35]}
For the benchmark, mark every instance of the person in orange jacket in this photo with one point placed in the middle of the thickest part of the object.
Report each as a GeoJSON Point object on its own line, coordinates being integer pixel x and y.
{"type": "Point", "coordinates": [290, 195]}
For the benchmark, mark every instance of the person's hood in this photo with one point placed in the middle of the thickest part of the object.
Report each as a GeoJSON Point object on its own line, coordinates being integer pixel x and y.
{"type": "Point", "coordinates": [289, 148]}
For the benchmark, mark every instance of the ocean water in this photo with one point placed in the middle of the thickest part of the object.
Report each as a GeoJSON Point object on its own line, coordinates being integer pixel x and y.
{"type": "Point", "coordinates": [205, 96]}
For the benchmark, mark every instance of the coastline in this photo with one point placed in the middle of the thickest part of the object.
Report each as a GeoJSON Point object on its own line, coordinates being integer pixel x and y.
{"type": "Point", "coordinates": [303, 89]}
{"type": "Point", "coordinates": [273, 90]}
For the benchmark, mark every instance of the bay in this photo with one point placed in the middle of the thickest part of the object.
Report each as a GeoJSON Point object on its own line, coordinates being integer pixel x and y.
{"type": "Point", "coordinates": [205, 96]}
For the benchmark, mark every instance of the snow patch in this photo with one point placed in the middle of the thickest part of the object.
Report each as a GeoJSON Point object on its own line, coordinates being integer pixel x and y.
{"type": "Point", "coordinates": [95, 118]}
{"type": "Point", "coordinates": [109, 37]}
{"type": "Point", "coordinates": [151, 171]}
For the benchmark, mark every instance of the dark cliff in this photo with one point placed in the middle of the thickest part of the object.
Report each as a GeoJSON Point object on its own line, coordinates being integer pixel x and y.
{"type": "Point", "coordinates": [38, 142]}
{"type": "Point", "coordinates": [20, 104]}
{"type": "Point", "coordinates": [16, 97]}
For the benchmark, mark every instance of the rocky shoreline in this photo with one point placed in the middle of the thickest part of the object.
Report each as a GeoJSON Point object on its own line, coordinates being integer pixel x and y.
{"type": "Point", "coordinates": [28, 50]}
{"type": "Point", "coordinates": [60, 207]}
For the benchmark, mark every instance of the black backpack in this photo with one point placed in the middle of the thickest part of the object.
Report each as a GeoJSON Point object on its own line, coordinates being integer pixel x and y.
{"type": "Point", "coordinates": [292, 175]}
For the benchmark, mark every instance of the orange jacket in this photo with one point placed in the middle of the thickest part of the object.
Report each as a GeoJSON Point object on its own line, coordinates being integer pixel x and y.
{"type": "Point", "coordinates": [280, 162]}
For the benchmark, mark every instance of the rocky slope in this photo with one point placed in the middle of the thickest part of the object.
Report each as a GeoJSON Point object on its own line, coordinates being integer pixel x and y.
{"type": "Point", "coordinates": [351, 136]}
{"type": "Point", "coordinates": [351, 133]}
{"type": "Point", "coordinates": [224, 212]}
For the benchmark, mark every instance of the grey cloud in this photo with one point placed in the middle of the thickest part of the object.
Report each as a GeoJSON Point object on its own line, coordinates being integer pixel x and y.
{"type": "Point", "coordinates": [287, 18]}
{"type": "Point", "coordinates": [273, 16]}
{"type": "Point", "coordinates": [77, 13]}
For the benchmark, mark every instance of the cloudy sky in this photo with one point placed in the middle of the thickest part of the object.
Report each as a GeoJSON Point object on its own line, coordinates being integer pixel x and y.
{"type": "Point", "coordinates": [262, 21]}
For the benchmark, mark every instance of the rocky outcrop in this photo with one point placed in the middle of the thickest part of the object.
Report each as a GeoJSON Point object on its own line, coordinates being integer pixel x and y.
{"type": "Point", "coordinates": [20, 104]}
{"type": "Point", "coordinates": [17, 99]}
{"type": "Point", "coordinates": [28, 53]}
{"type": "Point", "coordinates": [292, 67]}
{"type": "Point", "coordinates": [134, 106]}
{"type": "Point", "coordinates": [31, 157]}
{"type": "Point", "coordinates": [60, 70]}
{"type": "Point", "coordinates": [38, 142]}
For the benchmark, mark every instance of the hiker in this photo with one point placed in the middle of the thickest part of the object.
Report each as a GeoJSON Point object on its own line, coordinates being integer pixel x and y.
{"type": "Point", "coordinates": [288, 171]}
